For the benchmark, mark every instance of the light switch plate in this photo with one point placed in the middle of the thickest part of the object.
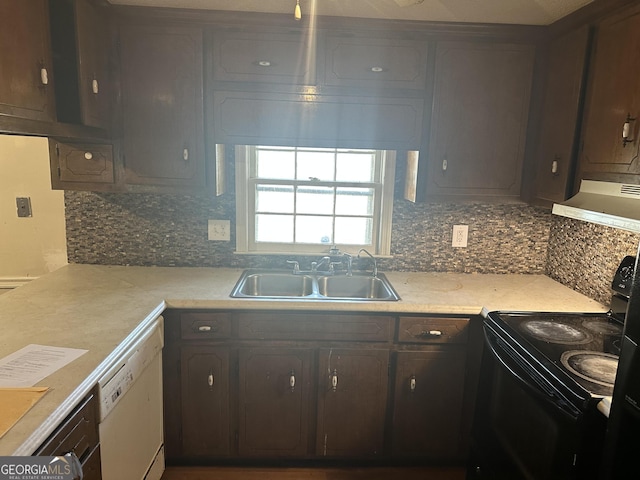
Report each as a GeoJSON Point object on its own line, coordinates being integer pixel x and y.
{"type": "Point", "coordinates": [220, 230]}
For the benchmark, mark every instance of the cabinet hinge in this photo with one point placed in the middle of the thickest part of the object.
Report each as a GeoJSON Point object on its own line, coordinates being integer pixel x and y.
{"type": "Point", "coordinates": [57, 150]}
{"type": "Point", "coordinates": [59, 172]}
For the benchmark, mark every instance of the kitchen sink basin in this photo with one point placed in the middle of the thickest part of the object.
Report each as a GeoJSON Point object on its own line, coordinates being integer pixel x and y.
{"type": "Point", "coordinates": [276, 285]}
{"type": "Point", "coordinates": [361, 287]}
{"type": "Point", "coordinates": [305, 286]}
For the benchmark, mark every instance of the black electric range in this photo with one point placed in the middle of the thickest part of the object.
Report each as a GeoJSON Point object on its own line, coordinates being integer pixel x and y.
{"type": "Point", "coordinates": [578, 349]}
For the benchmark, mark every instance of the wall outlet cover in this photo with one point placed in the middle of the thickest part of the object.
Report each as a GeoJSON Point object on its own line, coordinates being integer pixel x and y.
{"type": "Point", "coordinates": [460, 236]}
{"type": "Point", "coordinates": [219, 230]}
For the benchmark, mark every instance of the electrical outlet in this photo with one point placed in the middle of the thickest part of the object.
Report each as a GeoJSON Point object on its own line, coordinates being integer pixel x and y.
{"type": "Point", "coordinates": [460, 235]}
{"type": "Point", "coordinates": [23, 205]}
{"type": "Point", "coordinates": [220, 230]}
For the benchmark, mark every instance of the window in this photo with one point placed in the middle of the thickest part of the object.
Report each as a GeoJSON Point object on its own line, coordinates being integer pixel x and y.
{"type": "Point", "coordinates": [304, 200]}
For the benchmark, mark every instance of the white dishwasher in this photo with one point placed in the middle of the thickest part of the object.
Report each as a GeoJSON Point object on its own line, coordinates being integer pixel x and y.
{"type": "Point", "coordinates": [131, 416]}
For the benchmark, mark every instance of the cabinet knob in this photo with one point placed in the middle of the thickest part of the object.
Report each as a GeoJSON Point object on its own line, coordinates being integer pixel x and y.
{"type": "Point", "coordinates": [205, 328]}
{"type": "Point", "coordinates": [185, 154]}
{"type": "Point", "coordinates": [377, 69]}
{"type": "Point", "coordinates": [88, 155]}
{"type": "Point", "coordinates": [44, 76]}
{"type": "Point", "coordinates": [334, 380]}
{"type": "Point", "coordinates": [292, 380]}
{"type": "Point", "coordinates": [626, 130]}
{"type": "Point", "coordinates": [445, 164]}
{"type": "Point", "coordinates": [210, 380]}
{"type": "Point", "coordinates": [94, 86]}
{"type": "Point", "coordinates": [263, 63]}
{"type": "Point", "coordinates": [412, 383]}
{"type": "Point", "coordinates": [554, 165]}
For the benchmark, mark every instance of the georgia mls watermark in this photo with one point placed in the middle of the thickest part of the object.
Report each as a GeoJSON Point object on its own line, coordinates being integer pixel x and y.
{"type": "Point", "coordinates": [40, 468]}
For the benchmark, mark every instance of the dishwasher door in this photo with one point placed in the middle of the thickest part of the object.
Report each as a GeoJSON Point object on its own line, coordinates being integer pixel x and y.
{"type": "Point", "coordinates": [131, 418]}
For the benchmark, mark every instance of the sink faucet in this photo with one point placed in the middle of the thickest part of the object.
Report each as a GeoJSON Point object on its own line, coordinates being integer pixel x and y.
{"type": "Point", "coordinates": [375, 263]}
{"type": "Point", "coordinates": [323, 260]}
{"type": "Point", "coordinates": [296, 266]}
{"type": "Point", "coordinates": [349, 260]}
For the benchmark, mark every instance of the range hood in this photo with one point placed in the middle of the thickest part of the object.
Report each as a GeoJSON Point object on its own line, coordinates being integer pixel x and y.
{"type": "Point", "coordinates": [604, 203]}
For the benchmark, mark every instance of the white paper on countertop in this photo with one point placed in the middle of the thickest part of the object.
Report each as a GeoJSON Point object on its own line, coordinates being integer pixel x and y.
{"type": "Point", "coordinates": [29, 365]}
{"type": "Point", "coordinates": [604, 406]}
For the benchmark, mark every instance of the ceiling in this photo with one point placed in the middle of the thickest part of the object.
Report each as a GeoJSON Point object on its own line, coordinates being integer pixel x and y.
{"type": "Point", "coordinates": [526, 12]}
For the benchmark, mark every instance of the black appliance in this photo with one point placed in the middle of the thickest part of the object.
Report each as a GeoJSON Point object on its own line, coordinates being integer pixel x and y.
{"type": "Point", "coordinates": [542, 377]}
{"type": "Point", "coordinates": [622, 445]}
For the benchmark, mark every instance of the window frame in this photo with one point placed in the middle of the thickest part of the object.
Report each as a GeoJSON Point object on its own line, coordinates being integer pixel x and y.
{"type": "Point", "coordinates": [245, 216]}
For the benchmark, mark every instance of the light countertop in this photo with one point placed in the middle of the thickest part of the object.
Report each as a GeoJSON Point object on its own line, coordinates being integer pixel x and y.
{"type": "Point", "coordinates": [99, 307]}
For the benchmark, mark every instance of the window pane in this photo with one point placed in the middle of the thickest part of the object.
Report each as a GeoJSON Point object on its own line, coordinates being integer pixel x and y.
{"type": "Point", "coordinates": [311, 229]}
{"type": "Point", "coordinates": [274, 198]}
{"type": "Point", "coordinates": [274, 228]}
{"type": "Point", "coordinates": [354, 231]}
{"type": "Point", "coordinates": [354, 201]}
{"type": "Point", "coordinates": [316, 164]}
{"type": "Point", "coordinates": [355, 166]}
{"type": "Point", "coordinates": [276, 164]}
{"type": "Point", "coordinates": [315, 200]}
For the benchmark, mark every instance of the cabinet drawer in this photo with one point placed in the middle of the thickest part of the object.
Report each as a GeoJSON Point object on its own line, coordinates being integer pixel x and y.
{"type": "Point", "coordinates": [78, 433]}
{"type": "Point", "coordinates": [194, 326]}
{"type": "Point", "coordinates": [82, 162]}
{"type": "Point", "coordinates": [375, 62]}
{"type": "Point", "coordinates": [262, 57]}
{"type": "Point", "coordinates": [433, 330]}
{"type": "Point", "coordinates": [315, 326]}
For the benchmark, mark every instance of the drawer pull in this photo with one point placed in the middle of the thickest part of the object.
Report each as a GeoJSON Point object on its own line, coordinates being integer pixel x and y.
{"type": "Point", "coordinates": [88, 155]}
{"type": "Point", "coordinates": [207, 328]}
{"type": "Point", "coordinates": [94, 86]}
{"type": "Point", "coordinates": [292, 380]}
{"type": "Point", "coordinates": [334, 380]}
{"type": "Point", "coordinates": [430, 333]}
{"type": "Point", "coordinates": [185, 154]}
{"type": "Point", "coordinates": [210, 380]}
{"type": "Point", "coordinates": [412, 383]}
{"type": "Point", "coordinates": [264, 63]}
{"type": "Point", "coordinates": [377, 69]}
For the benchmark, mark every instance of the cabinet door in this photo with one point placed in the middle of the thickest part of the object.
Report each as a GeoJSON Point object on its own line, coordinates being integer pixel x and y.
{"type": "Point", "coordinates": [162, 100]}
{"type": "Point", "coordinates": [352, 401]}
{"type": "Point", "coordinates": [428, 403]}
{"type": "Point", "coordinates": [92, 32]}
{"type": "Point", "coordinates": [613, 94]}
{"type": "Point", "coordinates": [264, 57]}
{"type": "Point", "coordinates": [26, 85]}
{"type": "Point", "coordinates": [273, 402]}
{"type": "Point", "coordinates": [479, 121]}
{"type": "Point", "coordinates": [555, 156]}
{"type": "Point", "coordinates": [82, 164]}
{"type": "Point", "coordinates": [375, 62]}
{"type": "Point", "coordinates": [205, 401]}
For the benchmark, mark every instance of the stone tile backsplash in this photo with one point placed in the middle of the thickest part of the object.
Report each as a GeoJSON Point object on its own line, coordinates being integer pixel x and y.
{"type": "Point", "coordinates": [171, 230]}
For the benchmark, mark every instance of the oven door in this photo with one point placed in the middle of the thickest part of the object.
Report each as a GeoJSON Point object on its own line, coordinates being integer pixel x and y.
{"type": "Point", "coordinates": [524, 426]}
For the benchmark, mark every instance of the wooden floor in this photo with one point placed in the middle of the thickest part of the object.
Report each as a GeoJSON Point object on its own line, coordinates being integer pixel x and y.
{"type": "Point", "coordinates": [261, 473]}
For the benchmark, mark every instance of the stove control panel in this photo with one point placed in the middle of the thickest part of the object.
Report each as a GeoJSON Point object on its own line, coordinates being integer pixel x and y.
{"type": "Point", "coordinates": [624, 276]}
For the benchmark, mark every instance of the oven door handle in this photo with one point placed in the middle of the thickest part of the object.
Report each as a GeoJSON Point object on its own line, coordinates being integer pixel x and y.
{"type": "Point", "coordinates": [549, 397]}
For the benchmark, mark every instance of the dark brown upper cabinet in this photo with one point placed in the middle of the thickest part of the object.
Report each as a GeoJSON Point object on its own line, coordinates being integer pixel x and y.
{"type": "Point", "coordinates": [26, 89]}
{"type": "Point", "coordinates": [559, 121]}
{"type": "Point", "coordinates": [287, 57]}
{"type": "Point", "coordinates": [162, 105]}
{"type": "Point", "coordinates": [376, 62]}
{"type": "Point", "coordinates": [613, 99]}
{"type": "Point", "coordinates": [479, 119]}
{"type": "Point", "coordinates": [80, 32]}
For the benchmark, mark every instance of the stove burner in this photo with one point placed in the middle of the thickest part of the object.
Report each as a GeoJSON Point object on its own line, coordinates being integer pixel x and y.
{"type": "Point", "coordinates": [603, 328]}
{"type": "Point", "coordinates": [596, 367]}
{"type": "Point", "coordinates": [555, 332]}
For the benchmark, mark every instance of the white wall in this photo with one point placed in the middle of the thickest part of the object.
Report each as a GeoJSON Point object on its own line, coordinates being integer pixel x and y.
{"type": "Point", "coordinates": [32, 246]}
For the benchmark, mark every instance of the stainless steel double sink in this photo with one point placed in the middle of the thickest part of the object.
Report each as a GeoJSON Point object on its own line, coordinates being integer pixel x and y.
{"type": "Point", "coordinates": [282, 285]}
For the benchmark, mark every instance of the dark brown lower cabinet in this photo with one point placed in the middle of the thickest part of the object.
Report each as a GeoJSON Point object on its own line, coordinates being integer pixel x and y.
{"type": "Point", "coordinates": [205, 401]}
{"type": "Point", "coordinates": [352, 399]}
{"type": "Point", "coordinates": [428, 403]}
{"type": "Point", "coordinates": [273, 402]}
